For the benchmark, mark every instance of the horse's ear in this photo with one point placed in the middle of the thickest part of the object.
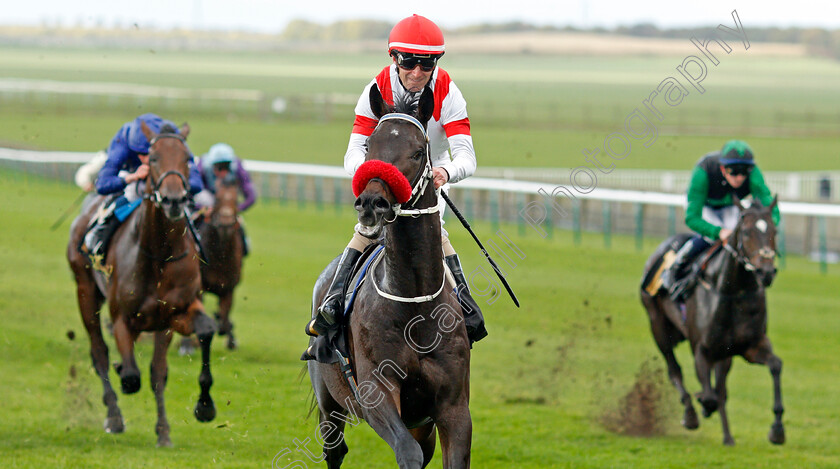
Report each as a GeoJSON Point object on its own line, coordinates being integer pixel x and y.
{"type": "Point", "coordinates": [426, 106]}
{"type": "Point", "coordinates": [774, 202]}
{"type": "Point", "coordinates": [377, 103]}
{"type": "Point", "coordinates": [184, 130]}
{"type": "Point", "coordinates": [738, 202]}
{"type": "Point", "coordinates": [147, 131]}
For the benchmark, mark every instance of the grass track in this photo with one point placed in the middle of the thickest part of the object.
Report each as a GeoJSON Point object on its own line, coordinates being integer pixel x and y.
{"type": "Point", "coordinates": [539, 382]}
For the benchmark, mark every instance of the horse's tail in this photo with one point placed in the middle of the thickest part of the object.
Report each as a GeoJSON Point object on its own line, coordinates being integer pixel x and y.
{"type": "Point", "coordinates": [313, 402]}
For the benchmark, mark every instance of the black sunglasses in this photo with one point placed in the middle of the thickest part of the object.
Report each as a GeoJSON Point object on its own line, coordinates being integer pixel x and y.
{"type": "Point", "coordinates": [409, 61]}
{"type": "Point", "coordinates": [738, 169]}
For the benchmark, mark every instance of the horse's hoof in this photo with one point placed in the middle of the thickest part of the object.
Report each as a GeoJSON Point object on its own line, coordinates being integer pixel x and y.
{"type": "Point", "coordinates": [728, 441]}
{"type": "Point", "coordinates": [186, 349]}
{"type": "Point", "coordinates": [130, 382]}
{"type": "Point", "coordinates": [164, 442]}
{"type": "Point", "coordinates": [777, 434]}
{"type": "Point", "coordinates": [690, 420]}
{"type": "Point", "coordinates": [205, 411]}
{"type": "Point", "coordinates": [114, 424]}
{"type": "Point", "coordinates": [231, 343]}
{"type": "Point", "coordinates": [710, 404]}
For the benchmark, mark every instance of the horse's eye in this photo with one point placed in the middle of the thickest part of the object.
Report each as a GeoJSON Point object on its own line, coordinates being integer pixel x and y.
{"type": "Point", "coordinates": [418, 154]}
{"type": "Point", "coordinates": [153, 158]}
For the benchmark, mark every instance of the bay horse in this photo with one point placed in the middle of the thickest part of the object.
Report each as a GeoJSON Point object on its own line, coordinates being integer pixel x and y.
{"type": "Point", "coordinates": [725, 316]}
{"type": "Point", "coordinates": [223, 246]}
{"type": "Point", "coordinates": [151, 283]}
{"type": "Point", "coordinates": [406, 393]}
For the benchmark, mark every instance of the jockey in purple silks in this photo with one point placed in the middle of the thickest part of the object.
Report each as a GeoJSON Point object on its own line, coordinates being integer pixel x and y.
{"type": "Point", "coordinates": [221, 162]}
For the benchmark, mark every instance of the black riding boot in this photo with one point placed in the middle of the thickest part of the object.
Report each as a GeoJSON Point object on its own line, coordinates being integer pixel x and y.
{"type": "Point", "coordinates": [675, 280]}
{"type": "Point", "coordinates": [98, 238]}
{"type": "Point", "coordinates": [333, 304]}
{"type": "Point", "coordinates": [473, 318]}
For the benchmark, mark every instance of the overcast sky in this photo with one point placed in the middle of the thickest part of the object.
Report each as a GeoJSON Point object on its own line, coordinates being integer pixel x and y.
{"type": "Point", "coordinates": [271, 16]}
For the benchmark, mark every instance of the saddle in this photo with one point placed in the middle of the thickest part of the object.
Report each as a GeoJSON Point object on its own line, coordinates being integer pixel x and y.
{"type": "Point", "coordinates": [323, 347]}
{"type": "Point", "coordinates": [652, 283]}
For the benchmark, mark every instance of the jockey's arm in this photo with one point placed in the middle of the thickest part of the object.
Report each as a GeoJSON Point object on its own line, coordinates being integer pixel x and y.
{"type": "Point", "coordinates": [456, 125]}
{"type": "Point", "coordinates": [760, 191]}
{"type": "Point", "coordinates": [463, 161]}
{"type": "Point", "coordinates": [698, 190]}
{"type": "Point", "coordinates": [195, 178]}
{"type": "Point", "coordinates": [109, 181]}
{"type": "Point", "coordinates": [363, 126]}
{"type": "Point", "coordinates": [247, 188]}
{"type": "Point", "coordinates": [356, 152]}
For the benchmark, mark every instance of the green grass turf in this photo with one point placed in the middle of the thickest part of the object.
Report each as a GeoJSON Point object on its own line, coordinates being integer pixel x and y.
{"type": "Point", "coordinates": [539, 383]}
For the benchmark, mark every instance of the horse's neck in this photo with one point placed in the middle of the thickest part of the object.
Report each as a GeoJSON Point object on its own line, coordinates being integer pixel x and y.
{"type": "Point", "coordinates": [159, 235]}
{"type": "Point", "coordinates": [733, 277]}
{"type": "Point", "coordinates": [413, 255]}
{"type": "Point", "coordinates": [224, 238]}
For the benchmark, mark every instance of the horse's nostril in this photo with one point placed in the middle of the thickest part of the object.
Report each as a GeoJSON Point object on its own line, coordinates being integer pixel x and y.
{"type": "Point", "coordinates": [381, 204]}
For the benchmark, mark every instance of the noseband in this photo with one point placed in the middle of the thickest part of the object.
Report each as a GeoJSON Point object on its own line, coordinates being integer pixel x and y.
{"type": "Point", "coordinates": [737, 253]}
{"type": "Point", "coordinates": [423, 177]}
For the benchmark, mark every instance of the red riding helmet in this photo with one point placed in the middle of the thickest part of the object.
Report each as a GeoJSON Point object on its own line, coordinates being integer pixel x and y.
{"type": "Point", "coordinates": [416, 35]}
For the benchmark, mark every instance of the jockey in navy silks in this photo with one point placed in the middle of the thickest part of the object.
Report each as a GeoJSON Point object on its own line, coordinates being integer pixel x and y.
{"type": "Point", "coordinates": [123, 176]}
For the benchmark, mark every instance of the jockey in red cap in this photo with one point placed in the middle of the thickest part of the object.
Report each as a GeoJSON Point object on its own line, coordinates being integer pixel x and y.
{"type": "Point", "coordinates": [415, 45]}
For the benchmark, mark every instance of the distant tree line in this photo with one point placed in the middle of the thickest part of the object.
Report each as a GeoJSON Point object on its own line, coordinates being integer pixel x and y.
{"type": "Point", "coordinates": [818, 41]}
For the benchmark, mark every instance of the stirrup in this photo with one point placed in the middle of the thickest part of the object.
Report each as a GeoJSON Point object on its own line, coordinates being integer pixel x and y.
{"type": "Point", "coordinates": [318, 326]}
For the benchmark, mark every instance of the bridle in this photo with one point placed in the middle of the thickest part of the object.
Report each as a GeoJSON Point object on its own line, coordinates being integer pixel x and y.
{"type": "Point", "coordinates": [157, 199]}
{"type": "Point", "coordinates": [418, 188]}
{"type": "Point", "coordinates": [423, 177]}
{"type": "Point", "coordinates": [742, 258]}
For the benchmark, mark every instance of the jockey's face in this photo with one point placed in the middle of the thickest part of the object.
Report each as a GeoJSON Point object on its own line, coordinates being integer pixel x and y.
{"type": "Point", "coordinates": [734, 178]}
{"type": "Point", "coordinates": [221, 169]}
{"type": "Point", "coordinates": [415, 79]}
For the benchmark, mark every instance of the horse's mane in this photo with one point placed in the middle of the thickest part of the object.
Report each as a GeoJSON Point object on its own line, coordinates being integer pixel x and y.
{"type": "Point", "coordinates": [407, 103]}
{"type": "Point", "coordinates": [168, 129]}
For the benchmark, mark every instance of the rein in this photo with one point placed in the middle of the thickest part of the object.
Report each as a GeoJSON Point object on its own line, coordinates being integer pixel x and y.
{"type": "Point", "coordinates": [421, 181]}
{"type": "Point", "coordinates": [418, 188]}
{"type": "Point", "coordinates": [402, 299]}
{"type": "Point", "coordinates": [764, 252]}
{"type": "Point", "coordinates": [155, 196]}
{"type": "Point", "coordinates": [164, 259]}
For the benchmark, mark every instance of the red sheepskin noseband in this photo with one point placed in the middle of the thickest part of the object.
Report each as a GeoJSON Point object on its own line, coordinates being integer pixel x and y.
{"type": "Point", "coordinates": [387, 172]}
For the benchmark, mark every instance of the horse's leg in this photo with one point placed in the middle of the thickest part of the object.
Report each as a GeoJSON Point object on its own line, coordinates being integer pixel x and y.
{"type": "Point", "coordinates": [329, 412]}
{"type": "Point", "coordinates": [721, 370]}
{"type": "Point", "coordinates": [225, 326]}
{"type": "Point", "coordinates": [205, 329]}
{"type": "Point", "coordinates": [706, 396]}
{"type": "Point", "coordinates": [128, 371]}
{"type": "Point", "coordinates": [667, 336]}
{"type": "Point", "coordinates": [385, 420]}
{"type": "Point", "coordinates": [89, 304]}
{"type": "Point", "coordinates": [455, 426]}
{"type": "Point", "coordinates": [187, 346]}
{"type": "Point", "coordinates": [426, 436]}
{"type": "Point", "coordinates": [159, 372]}
{"type": "Point", "coordinates": [763, 354]}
